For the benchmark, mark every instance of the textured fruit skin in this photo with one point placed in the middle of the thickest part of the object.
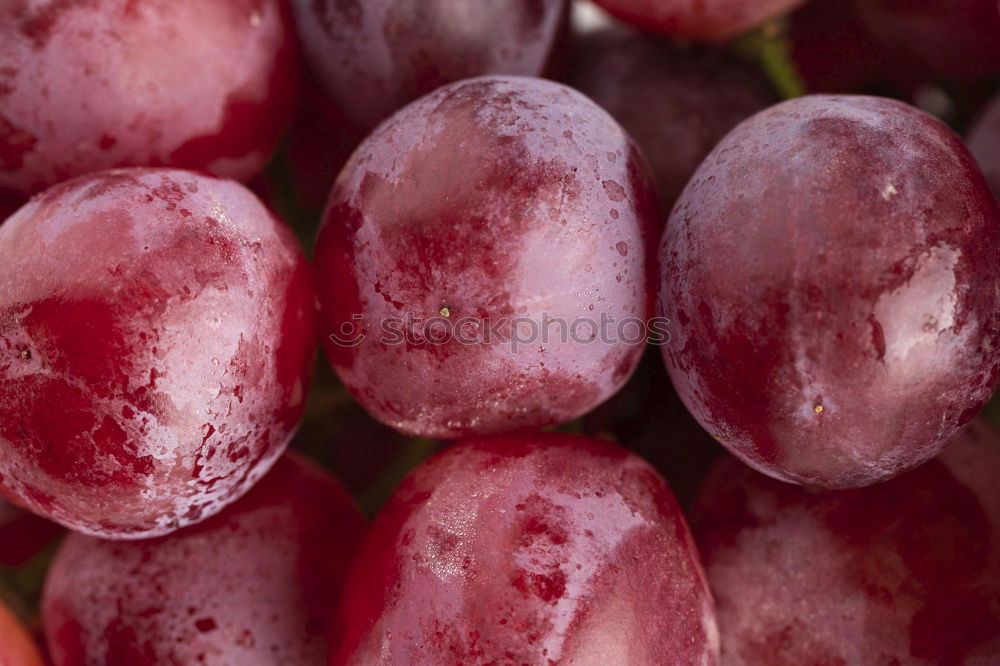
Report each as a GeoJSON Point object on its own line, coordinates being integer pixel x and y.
{"type": "Point", "coordinates": [703, 20]}
{"type": "Point", "coordinates": [951, 38]}
{"type": "Point", "coordinates": [255, 585]}
{"type": "Point", "coordinates": [535, 549]}
{"type": "Point", "coordinates": [675, 102]}
{"type": "Point", "coordinates": [375, 56]}
{"type": "Point", "coordinates": [984, 142]}
{"type": "Point", "coordinates": [831, 274]}
{"type": "Point", "coordinates": [93, 84]}
{"type": "Point", "coordinates": [501, 199]}
{"type": "Point", "coordinates": [906, 572]}
{"type": "Point", "coordinates": [17, 647]}
{"type": "Point", "coordinates": [168, 318]}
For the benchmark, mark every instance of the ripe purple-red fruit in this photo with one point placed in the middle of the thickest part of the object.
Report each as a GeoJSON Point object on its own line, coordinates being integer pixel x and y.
{"type": "Point", "coordinates": [256, 585]}
{"type": "Point", "coordinates": [375, 56]}
{"type": "Point", "coordinates": [905, 572]}
{"type": "Point", "coordinates": [90, 85]}
{"type": "Point", "coordinates": [156, 341]}
{"type": "Point", "coordinates": [536, 549]}
{"type": "Point", "coordinates": [830, 275]}
{"type": "Point", "coordinates": [482, 263]}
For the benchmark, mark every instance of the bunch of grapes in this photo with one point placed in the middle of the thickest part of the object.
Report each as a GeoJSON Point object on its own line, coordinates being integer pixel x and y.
{"type": "Point", "coordinates": [382, 332]}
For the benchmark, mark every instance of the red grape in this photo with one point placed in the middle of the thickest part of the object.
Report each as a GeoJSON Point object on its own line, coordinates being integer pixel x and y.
{"type": "Point", "coordinates": [22, 535]}
{"type": "Point", "coordinates": [256, 584]}
{"type": "Point", "coordinates": [17, 647]}
{"type": "Point", "coordinates": [528, 550]}
{"type": "Point", "coordinates": [88, 85]}
{"type": "Point", "coordinates": [486, 213]}
{"type": "Point", "coordinates": [677, 103]}
{"type": "Point", "coordinates": [832, 50]}
{"type": "Point", "coordinates": [707, 20]}
{"type": "Point", "coordinates": [374, 56]}
{"type": "Point", "coordinates": [168, 318]}
{"type": "Point", "coordinates": [954, 38]}
{"type": "Point", "coordinates": [830, 276]}
{"type": "Point", "coordinates": [984, 142]}
{"type": "Point", "coordinates": [905, 572]}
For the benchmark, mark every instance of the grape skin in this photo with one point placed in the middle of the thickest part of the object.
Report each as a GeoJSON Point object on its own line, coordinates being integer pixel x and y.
{"type": "Point", "coordinates": [906, 572]}
{"type": "Point", "coordinates": [942, 37]}
{"type": "Point", "coordinates": [375, 56]}
{"type": "Point", "coordinates": [830, 276]}
{"type": "Point", "coordinates": [490, 200]}
{"type": "Point", "coordinates": [984, 142]}
{"type": "Point", "coordinates": [93, 84]}
{"type": "Point", "coordinates": [675, 102]}
{"type": "Point", "coordinates": [168, 317]}
{"type": "Point", "coordinates": [536, 549]}
{"type": "Point", "coordinates": [256, 585]}
{"type": "Point", "coordinates": [703, 20]}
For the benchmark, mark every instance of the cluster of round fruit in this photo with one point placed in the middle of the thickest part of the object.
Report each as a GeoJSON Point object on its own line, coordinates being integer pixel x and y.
{"type": "Point", "coordinates": [821, 277]}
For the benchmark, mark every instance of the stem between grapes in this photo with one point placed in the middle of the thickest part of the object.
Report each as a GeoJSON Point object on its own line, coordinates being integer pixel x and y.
{"type": "Point", "coordinates": [769, 45]}
{"type": "Point", "coordinates": [412, 454]}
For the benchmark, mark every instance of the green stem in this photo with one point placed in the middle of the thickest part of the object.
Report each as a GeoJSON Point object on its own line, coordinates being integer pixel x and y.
{"type": "Point", "coordinates": [769, 45]}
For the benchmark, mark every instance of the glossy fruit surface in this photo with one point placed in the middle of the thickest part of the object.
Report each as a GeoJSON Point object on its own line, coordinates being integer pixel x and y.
{"type": "Point", "coordinates": [255, 585]}
{"type": "Point", "coordinates": [951, 38]}
{"type": "Point", "coordinates": [533, 549]}
{"type": "Point", "coordinates": [706, 20]}
{"type": "Point", "coordinates": [984, 142]}
{"type": "Point", "coordinates": [830, 277]}
{"type": "Point", "coordinates": [92, 84]}
{"type": "Point", "coordinates": [905, 572]}
{"type": "Point", "coordinates": [156, 340]}
{"type": "Point", "coordinates": [375, 56]}
{"type": "Point", "coordinates": [676, 102]}
{"type": "Point", "coordinates": [17, 647]}
{"type": "Point", "coordinates": [472, 250]}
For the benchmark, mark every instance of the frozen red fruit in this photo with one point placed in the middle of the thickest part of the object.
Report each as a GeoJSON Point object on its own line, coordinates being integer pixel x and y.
{"type": "Point", "coordinates": [677, 103]}
{"type": "Point", "coordinates": [156, 341]}
{"type": "Point", "coordinates": [93, 84]}
{"type": "Point", "coordinates": [984, 142]}
{"type": "Point", "coordinates": [374, 56]}
{"type": "Point", "coordinates": [22, 535]}
{"type": "Point", "coordinates": [830, 279]}
{"type": "Point", "coordinates": [906, 572]}
{"type": "Point", "coordinates": [17, 647]}
{"type": "Point", "coordinates": [540, 549]}
{"type": "Point", "coordinates": [256, 585]}
{"type": "Point", "coordinates": [953, 38]}
{"type": "Point", "coordinates": [706, 20]}
{"type": "Point", "coordinates": [482, 265]}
